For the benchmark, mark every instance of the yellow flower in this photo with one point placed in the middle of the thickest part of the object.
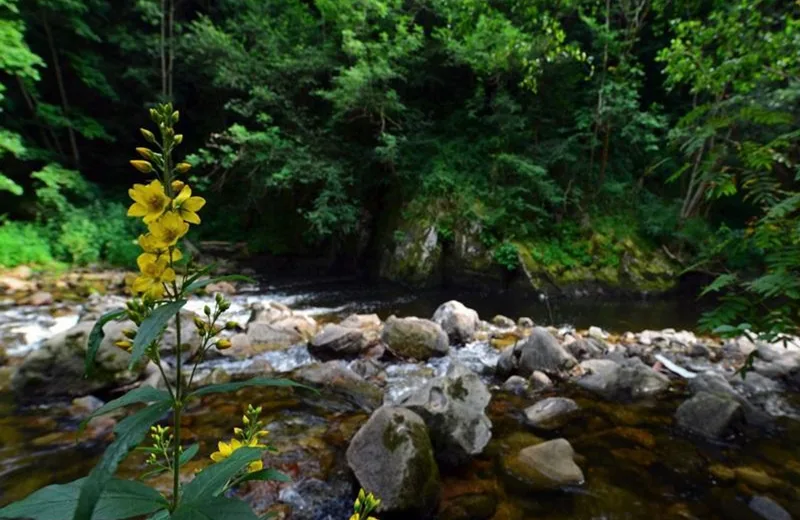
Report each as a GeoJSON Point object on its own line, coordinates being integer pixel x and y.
{"type": "Point", "coordinates": [153, 250]}
{"type": "Point", "coordinates": [227, 449]}
{"type": "Point", "coordinates": [167, 230]}
{"type": "Point", "coordinates": [155, 273]}
{"type": "Point", "coordinates": [188, 206]}
{"type": "Point", "coordinates": [149, 201]}
{"type": "Point", "coordinates": [355, 516]}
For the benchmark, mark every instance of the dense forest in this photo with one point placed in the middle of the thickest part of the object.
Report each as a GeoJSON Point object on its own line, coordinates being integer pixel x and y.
{"type": "Point", "coordinates": [622, 142]}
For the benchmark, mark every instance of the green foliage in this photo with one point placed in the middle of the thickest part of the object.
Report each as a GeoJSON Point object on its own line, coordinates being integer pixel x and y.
{"type": "Point", "coordinates": [507, 256]}
{"type": "Point", "coordinates": [23, 243]}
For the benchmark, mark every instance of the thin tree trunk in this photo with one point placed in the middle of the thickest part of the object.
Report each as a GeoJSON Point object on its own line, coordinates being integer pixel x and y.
{"type": "Point", "coordinates": [171, 47]}
{"type": "Point", "coordinates": [600, 100]}
{"type": "Point", "coordinates": [62, 90]}
{"type": "Point", "coordinates": [163, 48]}
{"type": "Point", "coordinates": [32, 106]}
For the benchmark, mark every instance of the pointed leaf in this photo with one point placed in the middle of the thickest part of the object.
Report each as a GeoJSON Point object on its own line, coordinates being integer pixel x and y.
{"type": "Point", "coordinates": [120, 499]}
{"type": "Point", "coordinates": [129, 432]}
{"type": "Point", "coordinates": [188, 454]}
{"type": "Point", "coordinates": [150, 328]}
{"type": "Point", "coordinates": [199, 284]}
{"type": "Point", "coordinates": [266, 474]}
{"type": "Point", "coordinates": [144, 394]}
{"type": "Point", "coordinates": [96, 337]}
{"type": "Point", "coordinates": [257, 381]}
{"type": "Point", "coordinates": [214, 508]}
{"type": "Point", "coordinates": [211, 481]}
{"type": "Point", "coordinates": [202, 272]}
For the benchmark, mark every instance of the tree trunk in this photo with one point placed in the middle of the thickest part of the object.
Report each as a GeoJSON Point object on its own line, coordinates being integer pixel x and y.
{"type": "Point", "coordinates": [32, 106]}
{"type": "Point", "coordinates": [171, 47]}
{"type": "Point", "coordinates": [62, 91]}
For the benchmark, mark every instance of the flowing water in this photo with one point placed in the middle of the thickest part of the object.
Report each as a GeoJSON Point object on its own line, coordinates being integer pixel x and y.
{"type": "Point", "coordinates": [636, 464]}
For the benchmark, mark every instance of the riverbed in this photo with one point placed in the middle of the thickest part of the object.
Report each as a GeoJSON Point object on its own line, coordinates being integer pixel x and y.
{"type": "Point", "coordinates": [636, 463]}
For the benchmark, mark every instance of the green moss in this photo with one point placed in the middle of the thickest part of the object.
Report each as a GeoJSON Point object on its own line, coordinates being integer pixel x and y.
{"type": "Point", "coordinates": [457, 390]}
{"type": "Point", "coordinates": [421, 483]}
{"type": "Point", "coordinates": [392, 438]}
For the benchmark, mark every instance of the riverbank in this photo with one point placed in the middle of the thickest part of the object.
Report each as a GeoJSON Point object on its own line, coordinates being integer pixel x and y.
{"type": "Point", "coordinates": [615, 399]}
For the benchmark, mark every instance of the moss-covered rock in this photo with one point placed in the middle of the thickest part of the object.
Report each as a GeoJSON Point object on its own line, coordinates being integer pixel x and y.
{"type": "Point", "coordinates": [392, 456]}
{"type": "Point", "coordinates": [414, 338]}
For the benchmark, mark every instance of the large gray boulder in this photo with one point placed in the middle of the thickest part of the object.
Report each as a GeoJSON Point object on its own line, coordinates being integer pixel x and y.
{"type": "Point", "coordinates": [453, 408]}
{"type": "Point", "coordinates": [629, 380]}
{"type": "Point", "coordinates": [335, 341]}
{"type": "Point", "coordinates": [709, 415]}
{"type": "Point", "coordinates": [538, 352]}
{"type": "Point", "coordinates": [336, 378]}
{"type": "Point", "coordinates": [458, 321]}
{"type": "Point", "coordinates": [543, 467]}
{"type": "Point", "coordinates": [414, 338]}
{"type": "Point", "coordinates": [283, 332]}
{"type": "Point", "coordinates": [715, 383]}
{"type": "Point", "coordinates": [550, 413]}
{"type": "Point", "coordinates": [392, 456]}
{"type": "Point", "coordinates": [268, 312]}
{"type": "Point", "coordinates": [587, 348]}
{"type": "Point", "coordinates": [57, 368]}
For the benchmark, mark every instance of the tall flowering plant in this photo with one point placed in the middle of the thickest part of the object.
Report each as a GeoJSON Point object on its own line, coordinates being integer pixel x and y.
{"type": "Point", "coordinates": [168, 208]}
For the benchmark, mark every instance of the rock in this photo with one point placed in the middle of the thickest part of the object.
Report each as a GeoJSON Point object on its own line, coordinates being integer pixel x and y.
{"type": "Point", "coordinates": [57, 368]}
{"type": "Point", "coordinates": [722, 473]}
{"type": "Point", "coordinates": [221, 287]}
{"type": "Point", "coordinates": [630, 379]}
{"type": "Point", "coordinates": [11, 284]}
{"type": "Point", "coordinates": [777, 361]}
{"type": "Point", "coordinates": [39, 299]}
{"type": "Point", "coordinates": [503, 322]}
{"type": "Point", "coordinates": [339, 379]}
{"type": "Point", "coordinates": [240, 348]}
{"type": "Point", "coordinates": [709, 415]}
{"type": "Point", "coordinates": [268, 312]}
{"type": "Point", "coordinates": [543, 467]}
{"type": "Point", "coordinates": [699, 350]}
{"type": "Point", "coordinates": [715, 383]}
{"type": "Point", "coordinates": [309, 496]}
{"type": "Point", "coordinates": [539, 351]}
{"type": "Point", "coordinates": [22, 272]}
{"type": "Point", "coordinates": [217, 376]}
{"type": "Point", "coordinates": [550, 413]}
{"type": "Point", "coordinates": [362, 321]}
{"type": "Point", "coordinates": [516, 385]}
{"type": "Point", "coordinates": [84, 406]}
{"type": "Point", "coordinates": [283, 332]}
{"type": "Point", "coordinates": [754, 478]}
{"type": "Point", "coordinates": [414, 338]}
{"type": "Point", "coordinates": [586, 348]}
{"type": "Point", "coordinates": [458, 321]}
{"type": "Point", "coordinates": [453, 408]}
{"type": "Point", "coordinates": [540, 381]}
{"type": "Point", "coordinates": [766, 508]}
{"type": "Point", "coordinates": [335, 341]}
{"type": "Point", "coordinates": [525, 323]}
{"type": "Point", "coordinates": [392, 456]}
{"type": "Point", "coordinates": [3, 355]}
{"type": "Point", "coordinates": [597, 333]}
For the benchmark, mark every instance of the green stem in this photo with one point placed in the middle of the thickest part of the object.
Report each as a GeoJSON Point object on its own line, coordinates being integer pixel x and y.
{"type": "Point", "coordinates": [178, 408]}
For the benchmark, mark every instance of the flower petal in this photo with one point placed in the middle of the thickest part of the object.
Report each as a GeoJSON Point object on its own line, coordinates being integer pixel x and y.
{"type": "Point", "coordinates": [190, 217]}
{"type": "Point", "coordinates": [137, 210]}
{"type": "Point", "coordinates": [194, 203]}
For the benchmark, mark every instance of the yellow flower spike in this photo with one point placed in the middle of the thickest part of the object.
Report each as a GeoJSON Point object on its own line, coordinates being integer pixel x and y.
{"type": "Point", "coordinates": [355, 516]}
{"type": "Point", "coordinates": [188, 206]}
{"type": "Point", "coordinates": [150, 201]}
{"type": "Point", "coordinates": [142, 166]}
{"type": "Point", "coordinates": [155, 273]}
{"type": "Point", "coordinates": [168, 229]}
{"type": "Point", "coordinates": [183, 167]}
{"type": "Point", "coordinates": [224, 452]}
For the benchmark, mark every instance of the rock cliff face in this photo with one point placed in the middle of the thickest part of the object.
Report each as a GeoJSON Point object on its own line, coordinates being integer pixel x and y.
{"type": "Point", "coordinates": [428, 247]}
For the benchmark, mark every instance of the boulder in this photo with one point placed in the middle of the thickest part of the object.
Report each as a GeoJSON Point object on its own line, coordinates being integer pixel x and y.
{"type": "Point", "coordinates": [777, 361]}
{"type": "Point", "coordinates": [414, 338]}
{"type": "Point", "coordinates": [369, 324]}
{"type": "Point", "coordinates": [453, 408]}
{"type": "Point", "coordinates": [268, 312]}
{"type": "Point", "coordinates": [586, 348]}
{"type": "Point", "coordinates": [709, 415]}
{"type": "Point", "coordinates": [39, 299]}
{"type": "Point", "coordinates": [550, 413]}
{"type": "Point", "coordinates": [338, 379]}
{"type": "Point", "coordinates": [222, 287]}
{"type": "Point", "coordinates": [525, 323]}
{"type": "Point", "coordinates": [516, 385]}
{"type": "Point", "coordinates": [540, 381]}
{"type": "Point", "coordinates": [630, 379]}
{"type": "Point", "coordinates": [57, 367]}
{"type": "Point", "coordinates": [768, 509]}
{"type": "Point", "coordinates": [715, 383]}
{"type": "Point", "coordinates": [503, 322]}
{"type": "Point", "coordinates": [283, 332]}
{"type": "Point", "coordinates": [392, 456]}
{"type": "Point", "coordinates": [543, 467]}
{"type": "Point", "coordinates": [458, 321]}
{"type": "Point", "coordinates": [539, 351]}
{"type": "Point", "coordinates": [335, 341]}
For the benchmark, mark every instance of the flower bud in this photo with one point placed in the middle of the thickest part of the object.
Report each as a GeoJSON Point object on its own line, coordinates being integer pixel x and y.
{"type": "Point", "coordinates": [177, 186]}
{"type": "Point", "coordinates": [145, 153]}
{"type": "Point", "coordinates": [175, 116]}
{"type": "Point", "coordinates": [148, 135]}
{"type": "Point", "coordinates": [223, 344]}
{"type": "Point", "coordinates": [199, 324]}
{"type": "Point", "coordinates": [124, 344]}
{"type": "Point", "coordinates": [155, 116]}
{"type": "Point", "coordinates": [207, 310]}
{"type": "Point", "coordinates": [231, 325]}
{"type": "Point", "coordinates": [129, 333]}
{"type": "Point", "coordinates": [182, 167]}
{"type": "Point", "coordinates": [178, 139]}
{"type": "Point", "coordinates": [142, 166]}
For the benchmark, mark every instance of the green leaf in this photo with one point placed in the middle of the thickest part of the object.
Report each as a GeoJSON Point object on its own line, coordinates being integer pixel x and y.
{"type": "Point", "coordinates": [211, 481]}
{"type": "Point", "coordinates": [266, 474]}
{"type": "Point", "coordinates": [214, 508]}
{"type": "Point", "coordinates": [719, 283]}
{"type": "Point", "coordinates": [257, 381]}
{"type": "Point", "coordinates": [197, 285]}
{"type": "Point", "coordinates": [202, 272]}
{"type": "Point", "coordinates": [151, 327]}
{"type": "Point", "coordinates": [725, 329]}
{"type": "Point", "coordinates": [129, 432]}
{"type": "Point", "coordinates": [120, 499]}
{"type": "Point", "coordinates": [96, 337]}
{"type": "Point", "coordinates": [188, 454]}
{"type": "Point", "coordinates": [144, 394]}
